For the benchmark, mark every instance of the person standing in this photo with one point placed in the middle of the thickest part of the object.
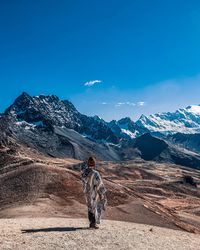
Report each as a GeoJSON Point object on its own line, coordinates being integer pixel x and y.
{"type": "Point", "coordinates": [95, 192]}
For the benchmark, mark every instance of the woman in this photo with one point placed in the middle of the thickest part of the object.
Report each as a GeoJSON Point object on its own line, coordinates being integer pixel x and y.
{"type": "Point", "coordinates": [95, 192]}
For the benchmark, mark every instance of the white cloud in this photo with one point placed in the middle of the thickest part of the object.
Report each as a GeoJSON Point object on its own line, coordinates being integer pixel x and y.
{"type": "Point", "coordinates": [130, 103]}
{"type": "Point", "coordinates": [91, 83]}
{"type": "Point", "coordinates": [140, 103]}
{"type": "Point", "coordinates": [119, 104]}
{"type": "Point", "coordinates": [104, 103]}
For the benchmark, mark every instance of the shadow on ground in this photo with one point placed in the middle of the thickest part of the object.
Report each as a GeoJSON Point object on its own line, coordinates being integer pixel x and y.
{"type": "Point", "coordinates": [54, 229]}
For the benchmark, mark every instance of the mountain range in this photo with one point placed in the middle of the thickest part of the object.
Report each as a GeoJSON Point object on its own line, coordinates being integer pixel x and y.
{"type": "Point", "coordinates": [55, 127]}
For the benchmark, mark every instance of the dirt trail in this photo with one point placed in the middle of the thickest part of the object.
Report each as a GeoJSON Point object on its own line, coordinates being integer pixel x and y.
{"type": "Point", "coordinates": [62, 233]}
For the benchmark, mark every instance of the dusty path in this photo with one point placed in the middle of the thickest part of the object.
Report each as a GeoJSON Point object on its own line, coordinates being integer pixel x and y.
{"type": "Point", "coordinates": [59, 233]}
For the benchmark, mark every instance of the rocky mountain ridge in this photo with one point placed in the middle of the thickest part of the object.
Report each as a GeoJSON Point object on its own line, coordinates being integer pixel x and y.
{"type": "Point", "coordinates": [56, 128]}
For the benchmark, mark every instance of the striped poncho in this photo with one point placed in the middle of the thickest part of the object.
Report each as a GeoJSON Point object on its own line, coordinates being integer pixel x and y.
{"type": "Point", "coordinates": [95, 192]}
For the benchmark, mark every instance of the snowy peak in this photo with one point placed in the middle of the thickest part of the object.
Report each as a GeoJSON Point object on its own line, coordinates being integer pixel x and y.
{"type": "Point", "coordinates": [126, 128]}
{"type": "Point", "coordinates": [50, 125]}
{"type": "Point", "coordinates": [44, 110]}
{"type": "Point", "coordinates": [194, 109]}
{"type": "Point", "coordinates": [49, 111]}
{"type": "Point", "coordinates": [182, 120]}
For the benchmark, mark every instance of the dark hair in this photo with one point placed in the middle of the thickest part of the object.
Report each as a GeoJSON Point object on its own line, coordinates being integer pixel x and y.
{"type": "Point", "coordinates": [91, 159]}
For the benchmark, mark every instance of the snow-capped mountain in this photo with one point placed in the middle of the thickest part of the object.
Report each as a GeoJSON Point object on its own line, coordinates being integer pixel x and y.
{"type": "Point", "coordinates": [49, 111]}
{"type": "Point", "coordinates": [44, 110]}
{"type": "Point", "coordinates": [54, 127]}
{"type": "Point", "coordinates": [186, 120]}
{"type": "Point", "coordinates": [126, 128]}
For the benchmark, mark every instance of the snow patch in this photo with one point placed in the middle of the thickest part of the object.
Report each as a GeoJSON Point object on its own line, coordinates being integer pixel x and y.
{"type": "Point", "coordinates": [129, 133]}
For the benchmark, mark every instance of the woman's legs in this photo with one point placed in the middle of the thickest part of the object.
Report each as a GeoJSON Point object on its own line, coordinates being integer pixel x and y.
{"type": "Point", "coordinates": [91, 218]}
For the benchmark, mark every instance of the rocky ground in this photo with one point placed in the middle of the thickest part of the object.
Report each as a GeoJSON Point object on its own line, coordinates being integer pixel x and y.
{"type": "Point", "coordinates": [33, 185]}
{"type": "Point", "coordinates": [59, 233]}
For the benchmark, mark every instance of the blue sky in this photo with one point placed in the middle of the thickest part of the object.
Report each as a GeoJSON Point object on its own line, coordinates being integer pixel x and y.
{"type": "Point", "coordinates": [144, 54]}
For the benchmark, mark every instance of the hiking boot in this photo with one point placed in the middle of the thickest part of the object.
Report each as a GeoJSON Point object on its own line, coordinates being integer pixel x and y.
{"type": "Point", "coordinates": [93, 226]}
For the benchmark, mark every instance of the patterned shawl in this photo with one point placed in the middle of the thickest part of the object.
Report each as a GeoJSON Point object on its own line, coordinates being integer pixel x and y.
{"type": "Point", "coordinates": [94, 191]}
